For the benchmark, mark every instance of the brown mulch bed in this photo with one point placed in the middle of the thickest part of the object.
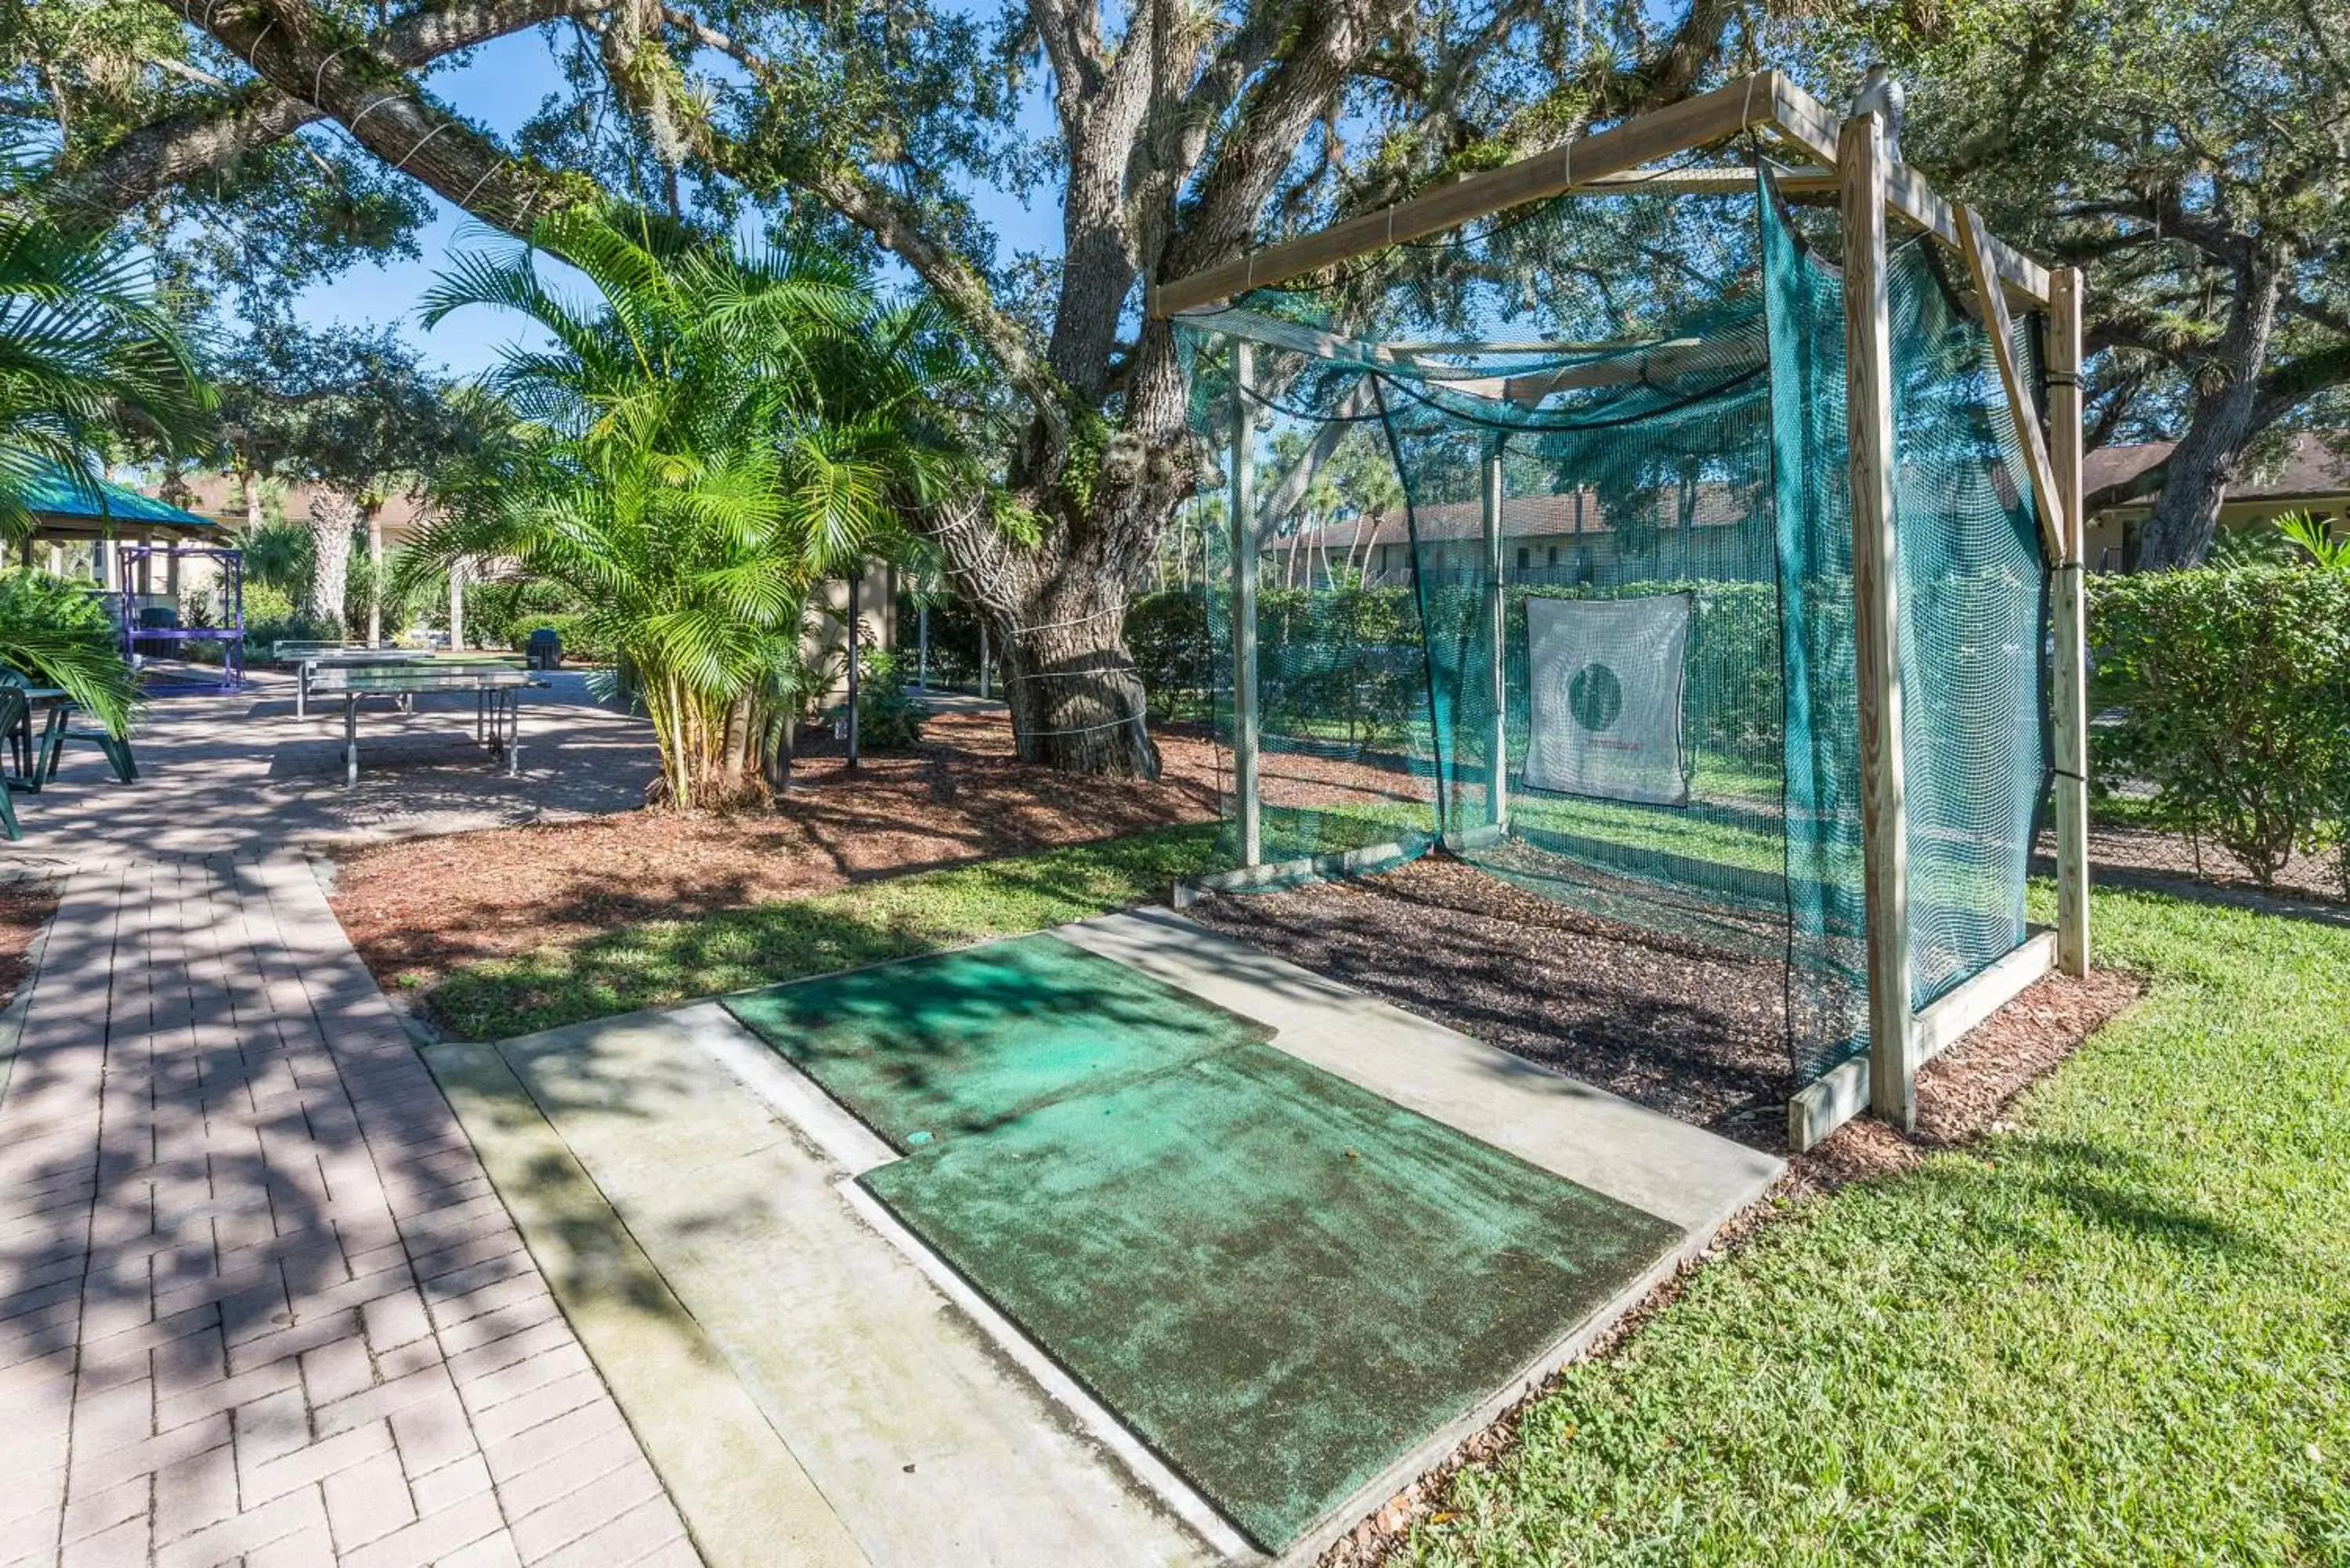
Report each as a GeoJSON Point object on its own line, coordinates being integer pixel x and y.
{"type": "Point", "coordinates": [1686, 1027]}
{"type": "Point", "coordinates": [25, 909]}
{"type": "Point", "coordinates": [429, 904]}
{"type": "Point", "coordinates": [2123, 852]}
{"type": "Point", "coordinates": [1682, 1027]}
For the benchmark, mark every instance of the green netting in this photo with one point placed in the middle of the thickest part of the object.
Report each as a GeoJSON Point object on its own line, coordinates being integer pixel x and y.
{"type": "Point", "coordinates": [1635, 692]}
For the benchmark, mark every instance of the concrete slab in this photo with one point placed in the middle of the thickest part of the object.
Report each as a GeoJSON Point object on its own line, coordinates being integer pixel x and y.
{"type": "Point", "coordinates": [746, 1500]}
{"type": "Point", "coordinates": [926, 1443]}
{"type": "Point", "coordinates": [1632, 1154]}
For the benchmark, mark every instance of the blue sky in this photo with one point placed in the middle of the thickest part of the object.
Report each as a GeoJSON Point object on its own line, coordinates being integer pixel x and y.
{"type": "Point", "coordinates": [501, 85]}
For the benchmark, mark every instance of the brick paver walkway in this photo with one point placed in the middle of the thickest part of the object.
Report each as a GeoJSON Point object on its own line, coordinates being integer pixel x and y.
{"type": "Point", "coordinates": [258, 1302]}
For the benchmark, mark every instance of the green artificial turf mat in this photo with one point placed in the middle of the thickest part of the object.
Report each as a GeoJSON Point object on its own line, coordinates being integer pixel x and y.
{"type": "Point", "coordinates": [1280, 1281]}
{"type": "Point", "coordinates": [937, 1048]}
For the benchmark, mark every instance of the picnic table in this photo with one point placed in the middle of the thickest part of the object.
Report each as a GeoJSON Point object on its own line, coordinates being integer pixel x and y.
{"type": "Point", "coordinates": [496, 685]}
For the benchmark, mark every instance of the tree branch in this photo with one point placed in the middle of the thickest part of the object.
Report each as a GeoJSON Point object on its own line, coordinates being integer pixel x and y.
{"type": "Point", "coordinates": [301, 55]}
{"type": "Point", "coordinates": [143, 162]}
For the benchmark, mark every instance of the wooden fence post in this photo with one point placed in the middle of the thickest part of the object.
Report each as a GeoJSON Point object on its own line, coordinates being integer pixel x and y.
{"type": "Point", "coordinates": [1497, 733]}
{"type": "Point", "coordinates": [1244, 693]}
{"type": "Point", "coordinates": [1875, 583]}
{"type": "Point", "coordinates": [2069, 622]}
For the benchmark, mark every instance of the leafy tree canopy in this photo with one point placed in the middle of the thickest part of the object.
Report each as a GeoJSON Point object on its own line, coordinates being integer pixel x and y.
{"type": "Point", "coordinates": [2194, 156]}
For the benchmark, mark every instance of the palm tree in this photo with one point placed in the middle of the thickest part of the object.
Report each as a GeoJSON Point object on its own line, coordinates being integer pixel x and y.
{"type": "Point", "coordinates": [710, 440]}
{"type": "Point", "coordinates": [85, 350]}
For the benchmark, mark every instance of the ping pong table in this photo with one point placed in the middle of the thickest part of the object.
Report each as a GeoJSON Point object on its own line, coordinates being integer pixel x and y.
{"type": "Point", "coordinates": [309, 658]}
{"type": "Point", "coordinates": [496, 685]}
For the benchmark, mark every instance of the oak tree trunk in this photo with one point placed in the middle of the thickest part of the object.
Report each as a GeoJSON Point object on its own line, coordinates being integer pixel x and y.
{"type": "Point", "coordinates": [1076, 700]}
{"type": "Point", "coordinates": [2227, 418]}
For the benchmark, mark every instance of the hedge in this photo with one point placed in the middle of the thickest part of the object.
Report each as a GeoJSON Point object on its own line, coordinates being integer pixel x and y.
{"type": "Point", "coordinates": [2231, 687]}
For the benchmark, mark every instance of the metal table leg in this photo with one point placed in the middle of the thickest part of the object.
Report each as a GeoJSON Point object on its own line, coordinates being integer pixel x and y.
{"type": "Point", "coordinates": [302, 688]}
{"type": "Point", "coordinates": [351, 740]}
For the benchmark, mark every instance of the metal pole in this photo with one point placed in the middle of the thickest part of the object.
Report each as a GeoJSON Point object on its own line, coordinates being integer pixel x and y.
{"type": "Point", "coordinates": [1245, 788]}
{"type": "Point", "coordinates": [982, 661]}
{"type": "Point", "coordinates": [1497, 735]}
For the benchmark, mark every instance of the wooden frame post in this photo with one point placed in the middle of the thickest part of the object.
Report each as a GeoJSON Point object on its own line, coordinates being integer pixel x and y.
{"type": "Point", "coordinates": [1243, 525]}
{"type": "Point", "coordinates": [2069, 619]}
{"type": "Point", "coordinates": [1875, 585]}
{"type": "Point", "coordinates": [1497, 735]}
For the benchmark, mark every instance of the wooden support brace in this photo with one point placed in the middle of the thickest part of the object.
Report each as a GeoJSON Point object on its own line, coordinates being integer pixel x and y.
{"type": "Point", "coordinates": [1244, 569]}
{"type": "Point", "coordinates": [1836, 1097]}
{"type": "Point", "coordinates": [1885, 826]}
{"type": "Point", "coordinates": [1497, 727]}
{"type": "Point", "coordinates": [1698, 121]}
{"type": "Point", "coordinates": [2069, 703]}
{"type": "Point", "coordinates": [2023, 412]}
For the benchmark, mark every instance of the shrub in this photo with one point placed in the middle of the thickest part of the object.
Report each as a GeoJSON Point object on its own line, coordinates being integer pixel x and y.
{"type": "Point", "coordinates": [2234, 689]}
{"type": "Point", "coordinates": [888, 717]}
{"type": "Point", "coordinates": [58, 633]}
{"type": "Point", "coordinates": [503, 614]}
{"type": "Point", "coordinates": [1167, 633]}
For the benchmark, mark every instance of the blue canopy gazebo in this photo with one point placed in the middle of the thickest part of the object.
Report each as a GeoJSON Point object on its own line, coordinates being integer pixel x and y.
{"type": "Point", "coordinates": [128, 534]}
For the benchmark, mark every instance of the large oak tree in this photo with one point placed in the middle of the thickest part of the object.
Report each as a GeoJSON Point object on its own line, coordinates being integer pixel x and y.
{"type": "Point", "coordinates": [1180, 134]}
{"type": "Point", "coordinates": [2194, 156]}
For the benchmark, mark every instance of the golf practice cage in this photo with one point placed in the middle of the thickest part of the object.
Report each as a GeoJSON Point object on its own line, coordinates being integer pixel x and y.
{"type": "Point", "coordinates": [1535, 537]}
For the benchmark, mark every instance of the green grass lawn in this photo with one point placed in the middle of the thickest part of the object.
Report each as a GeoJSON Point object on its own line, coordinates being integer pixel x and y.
{"type": "Point", "coordinates": [2117, 1334]}
{"type": "Point", "coordinates": [668, 960]}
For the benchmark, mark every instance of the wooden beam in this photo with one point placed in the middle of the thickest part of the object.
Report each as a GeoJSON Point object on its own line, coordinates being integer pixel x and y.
{"type": "Point", "coordinates": [1610, 163]}
{"type": "Point", "coordinates": [1694, 122]}
{"type": "Point", "coordinates": [1338, 866]}
{"type": "Point", "coordinates": [1885, 826]}
{"type": "Point", "coordinates": [1674, 356]}
{"type": "Point", "coordinates": [1245, 564]}
{"type": "Point", "coordinates": [1335, 347]}
{"type": "Point", "coordinates": [1803, 123]}
{"type": "Point", "coordinates": [2069, 702]}
{"type": "Point", "coordinates": [1628, 361]}
{"type": "Point", "coordinates": [2022, 412]}
{"type": "Point", "coordinates": [1733, 181]}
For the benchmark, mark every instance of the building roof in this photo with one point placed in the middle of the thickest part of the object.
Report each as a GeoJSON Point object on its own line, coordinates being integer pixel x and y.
{"type": "Point", "coordinates": [2319, 469]}
{"type": "Point", "coordinates": [54, 495]}
{"type": "Point", "coordinates": [224, 497]}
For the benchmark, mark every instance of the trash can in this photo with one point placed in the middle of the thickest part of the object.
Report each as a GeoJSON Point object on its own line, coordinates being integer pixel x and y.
{"type": "Point", "coordinates": [545, 650]}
